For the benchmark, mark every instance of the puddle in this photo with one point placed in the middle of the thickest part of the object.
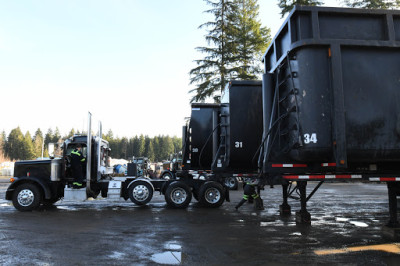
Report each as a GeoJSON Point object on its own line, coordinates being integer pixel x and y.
{"type": "Point", "coordinates": [339, 219]}
{"type": "Point", "coordinates": [66, 208]}
{"type": "Point", "coordinates": [172, 255]}
{"type": "Point", "coordinates": [173, 246]}
{"type": "Point", "coordinates": [116, 255]}
{"type": "Point", "coordinates": [168, 257]}
{"type": "Point", "coordinates": [359, 224]}
{"type": "Point", "coordinates": [295, 234]}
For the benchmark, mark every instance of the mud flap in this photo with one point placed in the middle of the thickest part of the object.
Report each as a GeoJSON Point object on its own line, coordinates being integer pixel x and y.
{"type": "Point", "coordinates": [227, 198]}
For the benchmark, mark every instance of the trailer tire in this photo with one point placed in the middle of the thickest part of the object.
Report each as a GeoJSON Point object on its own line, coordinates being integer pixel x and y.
{"type": "Point", "coordinates": [231, 183]}
{"type": "Point", "coordinates": [167, 176]}
{"type": "Point", "coordinates": [140, 192]}
{"type": "Point", "coordinates": [212, 194]}
{"type": "Point", "coordinates": [178, 195]}
{"type": "Point", "coordinates": [27, 197]}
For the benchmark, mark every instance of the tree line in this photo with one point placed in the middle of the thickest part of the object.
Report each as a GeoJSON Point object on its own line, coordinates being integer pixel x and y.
{"type": "Point", "coordinates": [19, 146]}
{"type": "Point", "coordinates": [236, 41]}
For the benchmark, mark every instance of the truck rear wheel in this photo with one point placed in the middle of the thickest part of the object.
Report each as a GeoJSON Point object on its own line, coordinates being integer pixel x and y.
{"type": "Point", "coordinates": [27, 197]}
{"type": "Point", "coordinates": [211, 194]}
{"type": "Point", "coordinates": [231, 183]}
{"type": "Point", "coordinates": [140, 192]}
{"type": "Point", "coordinates": [178, 195]}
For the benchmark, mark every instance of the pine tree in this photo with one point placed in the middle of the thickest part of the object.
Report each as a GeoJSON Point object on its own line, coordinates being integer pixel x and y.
{"type": "Point", "coordinates": [156, 148]}
{"type": "Point", "coordinates": [37, 143]}
{"type": "Point", "coordinates": [28, 150]}
{"type": "Point", "coordinates": [14, 147]}
{"type": "Point", "coordinates": [70, 134]}
{"type": "Point", "coordinates": [287, 5]}
{"type": "Point", "coordinates": [373, 4]}
{"type": "Point", "coordinates": [251, 40]}
{"type": "Point", "coordinates": [148, 148]}
{"type": "Point", "coordinates": [3, 140]}
{"type": "Point", "coordinates": [141, 146]}
{"type": "Point", "coordinates": [212, 72]}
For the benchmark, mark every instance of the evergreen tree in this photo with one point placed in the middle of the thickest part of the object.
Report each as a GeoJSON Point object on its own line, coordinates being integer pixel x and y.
{"type": "Point", "coordinates": [28, 150]}
{"type": "Point", "coordinates": [37, 143]}
{"type": "Point", "coordinates": [148, 148]}
{"type": "Point", "coordinates": [287, 5]}
{"type": "Point", "coordinates": [166, 147]}
{"type": "Point", "coordinates": [57, 136]}
{"type": "Point", "coordinates": [141, 146]}
{"type": "Point", "coordinates": [129, 151]}
{"type": "Point", "coordinates": [135, 147]}
{"type": "Point", "coordinates": [177, 144]}
{"type": "Point", "coordinates": [109, 136]}
{"type": "Point", "coordinates": [373, 4]}
{"type": "Point", "coordinates": [70, 134]}
{"type": "Point", "coordinates": [14, 147]}
{"type": "Point", "coordinates": [124, 148]}
{"type": "Point", "coordinates": [48, 137]}
{"type": "Point", "coordinates": [251, 40]}
{"type": "Point", "coordinates": [213, 71]}
{"type": "Point", "coordinates": [156, 148]}
{"type": "Point", "coordinates": [3, 139]}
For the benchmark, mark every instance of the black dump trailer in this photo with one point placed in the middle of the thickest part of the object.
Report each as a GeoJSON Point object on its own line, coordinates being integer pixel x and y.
{"type": "Point", "coordinates": [331, 94]}
{"type": "Point", "coordinates": [197, 137]}
{"type": "Point", "coordinates": [241, 128]}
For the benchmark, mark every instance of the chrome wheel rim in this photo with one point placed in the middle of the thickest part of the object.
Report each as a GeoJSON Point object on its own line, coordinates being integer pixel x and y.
{"type": "Point", "coordinates": [25, 197]}
{"type": "Point", "coordinates": [140, 192]}
{"type": "Point", "coordinates": [230, 182]}
{"type": "Point", "coordinates": [212, 195]}
{"type": "Point", "coordinates": [178, 195]}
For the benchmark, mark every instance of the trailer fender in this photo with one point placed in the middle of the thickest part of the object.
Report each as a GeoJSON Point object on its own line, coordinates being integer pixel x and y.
{"type": "Point", "coordinates": [140, 179]}
{"type": "Point", "coordinates": [29, 179]}
{"type": "Point", "coordinates": [167, 173]}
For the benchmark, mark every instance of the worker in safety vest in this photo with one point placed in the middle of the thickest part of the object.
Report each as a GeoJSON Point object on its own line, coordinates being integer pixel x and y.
{"type": "Point", "coordinates": [77, 160]}
{"type": "Point", "coordinates": [250, 193]}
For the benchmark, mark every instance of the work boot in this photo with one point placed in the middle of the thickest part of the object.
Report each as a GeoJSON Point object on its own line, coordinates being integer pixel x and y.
{"type": "Point", "coordinates": [240, 204]}
{"type": "Point", "coordinates": [258, 204]}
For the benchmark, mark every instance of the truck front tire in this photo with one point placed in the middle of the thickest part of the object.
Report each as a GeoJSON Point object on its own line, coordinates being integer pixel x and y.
{"type": "Point", "coordinates": [27, 197]}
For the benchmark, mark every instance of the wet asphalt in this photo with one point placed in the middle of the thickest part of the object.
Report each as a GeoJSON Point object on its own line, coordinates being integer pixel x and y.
{"type": "Point", "coordinates": [347, 220]}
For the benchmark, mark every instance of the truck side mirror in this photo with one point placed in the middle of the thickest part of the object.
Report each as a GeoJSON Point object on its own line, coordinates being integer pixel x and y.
{"type": "Point", "coordinates": [51, 150]}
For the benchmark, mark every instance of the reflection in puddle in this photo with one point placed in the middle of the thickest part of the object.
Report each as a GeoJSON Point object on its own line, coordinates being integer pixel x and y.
{"type": "Point", "coordinates": [295, 234]}
{"type": "Point", "coordinates": [172, 256]}
{"type": "Point", "coordinates": [172, 246]}
{"type": "Point", "coordinates": [339, 219]}
{"type": "Point", "coordinates": [168, 257]}
{"type": "Point", "coordinates": [116, 255]}
{"type": "Point", "coordinates": [360, 224]}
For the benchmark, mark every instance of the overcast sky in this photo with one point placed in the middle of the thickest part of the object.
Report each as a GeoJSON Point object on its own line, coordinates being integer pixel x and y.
{"type": "Point", "coordinates": [126, 61]}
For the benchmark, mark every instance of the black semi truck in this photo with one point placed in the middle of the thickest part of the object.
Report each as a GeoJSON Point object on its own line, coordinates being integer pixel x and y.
{"type": "Point", "coordinates": [43, 182]}
{"type": "Point", "coordinates": [331, 101]}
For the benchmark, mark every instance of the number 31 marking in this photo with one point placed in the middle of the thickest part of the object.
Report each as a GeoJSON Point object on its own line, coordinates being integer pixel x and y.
{"type": "Point", "coordinates": [310, 138]}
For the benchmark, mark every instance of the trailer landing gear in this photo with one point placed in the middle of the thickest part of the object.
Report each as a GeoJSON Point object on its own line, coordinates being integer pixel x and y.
{"type": "Point", "coordinates": [303, 216]}
{"type": "Point", "coordinates": [393, 191]}
{"type": "Point", "coordinates": [284, 208]}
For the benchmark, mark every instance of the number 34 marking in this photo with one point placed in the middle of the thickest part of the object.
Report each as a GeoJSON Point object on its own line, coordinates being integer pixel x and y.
{"type": "Point", "coordinates": [308, 138]}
